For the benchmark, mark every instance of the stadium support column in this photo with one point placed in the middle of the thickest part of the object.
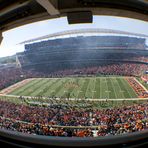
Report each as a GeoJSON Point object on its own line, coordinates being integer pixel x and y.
{"type": "Point", "coordinates": [18, 63]}
{"type": "Point", "coordinates": [1, 37]}
{"type": "Point", "coordinates": [49, 5]}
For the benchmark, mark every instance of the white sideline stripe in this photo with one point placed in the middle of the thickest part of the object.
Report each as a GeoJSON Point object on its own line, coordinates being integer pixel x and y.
{"type": "Point", "coordinates": [140, 84]}
{"type": "Point", "coordinates": [120, 99]}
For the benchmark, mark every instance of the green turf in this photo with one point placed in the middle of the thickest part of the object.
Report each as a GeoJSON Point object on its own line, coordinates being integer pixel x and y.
{"type": "Point", "coordinates": [76, 87]}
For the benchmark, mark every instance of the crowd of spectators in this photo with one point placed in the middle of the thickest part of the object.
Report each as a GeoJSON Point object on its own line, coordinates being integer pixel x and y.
{"type": "Point", "coordinates": [26, 113]}
{"type": "Point", "coordinates": [142, 93]}
{"type": "Point", "coordinates": [73, 122]}
{"type": "Point", "coordinates": [124, 69]}
{"type": "Point", "coordinates": [145, 78]}
{"type": "Point", "coordinates": [142, 59]}
{"type": "Point", "coordinates": [9, 76]}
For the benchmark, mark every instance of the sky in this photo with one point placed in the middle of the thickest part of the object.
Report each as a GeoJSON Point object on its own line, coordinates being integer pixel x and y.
{"type": "Point", "coordinates": [9, 45]}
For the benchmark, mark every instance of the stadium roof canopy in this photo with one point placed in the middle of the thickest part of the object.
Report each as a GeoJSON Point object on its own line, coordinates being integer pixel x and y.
{"type": "Point", "coordinates": [14, 13]}
{"type": "Point", "coordinates": [84, 31]}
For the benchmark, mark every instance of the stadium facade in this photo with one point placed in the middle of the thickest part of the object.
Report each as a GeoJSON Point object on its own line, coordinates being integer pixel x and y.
{"type": "Point", "coordinates": [82, 51]}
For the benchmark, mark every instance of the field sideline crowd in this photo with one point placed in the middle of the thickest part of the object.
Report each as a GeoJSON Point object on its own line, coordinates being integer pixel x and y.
{"type": "Point", "coordinates": [43, 121]}
{"type": "Point", "coordinates": [137, 88]}
{"type": "Point", "coordinates": [122, 69]}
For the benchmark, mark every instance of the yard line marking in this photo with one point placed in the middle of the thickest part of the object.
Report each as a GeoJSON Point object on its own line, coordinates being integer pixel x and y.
{"type": "Point", "coordinates": [107, 87]}
{"type": "Point", "coordinates": [120, 88]}
{"type": "Point", "coordinates": [126, 88]}
{"type": "Point", "coordinates": [94, 88]}
{"type": "Point", "coordinates": [83, 81]}
{"type": "Point", "coordinates": [113, 87]}
{"type": "Point", "coordinates": [100, 88]}
{"type": "Point", "coordinates": [86, 92]}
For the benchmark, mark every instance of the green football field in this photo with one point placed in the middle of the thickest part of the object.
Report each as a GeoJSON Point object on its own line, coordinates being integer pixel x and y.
{"type": "Point", "coordinates": [76, 87]}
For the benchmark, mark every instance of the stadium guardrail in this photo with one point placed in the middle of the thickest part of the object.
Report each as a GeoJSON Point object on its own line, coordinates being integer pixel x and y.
{"type": "Point", "coordinates": [136, 139]}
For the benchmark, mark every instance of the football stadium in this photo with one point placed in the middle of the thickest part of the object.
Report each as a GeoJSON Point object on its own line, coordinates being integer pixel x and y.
{"type": "Point", "coordinates": [74, 73]}
{"type": "Point", "coordinates": [77, 86]}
